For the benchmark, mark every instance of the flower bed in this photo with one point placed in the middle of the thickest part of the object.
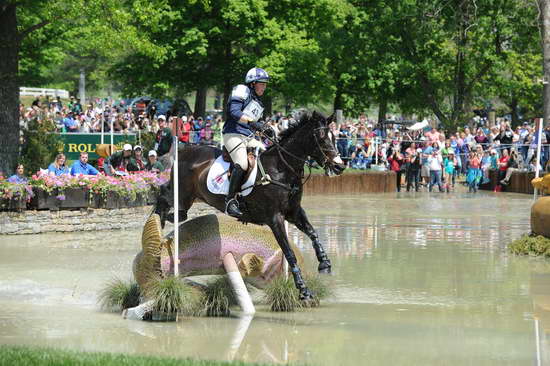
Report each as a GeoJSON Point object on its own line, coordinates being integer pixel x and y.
{"type": "Point", "coordinates": [44, 191]}
{"type": "Point", "coordinates": [14, 196]}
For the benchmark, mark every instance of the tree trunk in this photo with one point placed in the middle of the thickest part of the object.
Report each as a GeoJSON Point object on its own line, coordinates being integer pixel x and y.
{"type": "Point", "coordinates": [338, 102]}
{"type": "Point", "coordinates": [514, 112]}
{"type": "Point", "coordinates": [382, 110]}
{"type": "Point", "coordinates": [226, 94]}
{"type": "Point", "coordinates": [200, 102]}
{"type": "Point", "coordinates": [544, 22]}
{"type": "Point", "coordinates": [9, 89]}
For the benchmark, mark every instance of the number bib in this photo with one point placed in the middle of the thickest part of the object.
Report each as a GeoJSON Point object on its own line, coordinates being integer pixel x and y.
{"type": "Point", "coordinates": [253, 110]}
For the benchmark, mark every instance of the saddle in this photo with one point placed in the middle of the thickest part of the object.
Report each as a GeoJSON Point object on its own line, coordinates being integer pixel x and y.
{"type": "Point", "coordinates": [251, 161]}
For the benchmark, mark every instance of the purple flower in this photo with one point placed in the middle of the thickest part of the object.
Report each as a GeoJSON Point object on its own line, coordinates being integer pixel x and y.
{"type": "Point", "coordinates": [60, 197]}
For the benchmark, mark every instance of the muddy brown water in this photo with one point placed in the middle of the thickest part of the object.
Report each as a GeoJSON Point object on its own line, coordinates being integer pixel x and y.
{"type": "Point", "coordinates": [419, 279]}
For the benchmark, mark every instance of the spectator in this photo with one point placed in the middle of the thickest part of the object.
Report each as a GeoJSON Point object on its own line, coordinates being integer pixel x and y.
{"type": "Point", "coordinates": [19, 176]}
{"type": "Point", "coordinates": [82, 166]}
{"type": "Point", "coordinates": [425, 168]}
{"type": "Point", "coordinates": [359, 158]}
{"type": "Point", "coordinates": [58, 167]}
{"type": "Point", "coordinates": [474, 172]}
{"type": "Point", "coordinates": [434, 164]}
{"type": "Point", "coordinates": [511, 168]}
{"type": "Point", "coordinates": [138, 156]}
{"type": "Point", "coordinates": [503, 164]}
{"type": "Point", "coordinates": [185, 130]}
{"type": "Point", "coordinates": [413, 169]}
{"type": "Point", "coordinates": [69, 123]}
{"type": "Point", "coordinates": [121, 162]}
{"type": "Point", "coordinates": [396, 161]}
{"type": "Point", "coordinates": [164, 137]}
{"type": "Point", "coordinates": [480, 138]}
{"type": "Point", "coordinates": [153, 164]}
{"type": "Point", "coordinates": [449, 163]}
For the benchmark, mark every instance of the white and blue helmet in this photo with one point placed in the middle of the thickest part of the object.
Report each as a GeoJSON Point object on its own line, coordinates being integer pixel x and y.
{"type": "Point", "coordinates": [256, 74]}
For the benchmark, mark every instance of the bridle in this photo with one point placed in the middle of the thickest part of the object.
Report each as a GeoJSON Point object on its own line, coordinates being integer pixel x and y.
{"type": "Point", "coordinates": [280, 150]}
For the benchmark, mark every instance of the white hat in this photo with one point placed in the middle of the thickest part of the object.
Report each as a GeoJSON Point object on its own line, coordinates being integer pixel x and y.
{"type": "Point", "coordinates": [138, 147]}
{"type": "Point", "coordinates": [152, 153]}
{"type": "Point", "coordinates": [162, 116]}
{"type": "Point", "coordinates": [127, 147]}
{"type": "Point", "coordinates": [418, 150]}
{"type": "Point", "coordinates": [184, 118]}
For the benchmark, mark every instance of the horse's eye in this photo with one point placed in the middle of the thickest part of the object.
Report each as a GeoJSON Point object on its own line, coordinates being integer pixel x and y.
{"type": "Point", "coordinates": [322, 134]}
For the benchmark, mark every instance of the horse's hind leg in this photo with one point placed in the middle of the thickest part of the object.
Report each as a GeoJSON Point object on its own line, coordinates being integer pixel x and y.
{"type": "Point", "coordinates": [302, 223]}
{"type": "Point", "coordinates": [278, 228]}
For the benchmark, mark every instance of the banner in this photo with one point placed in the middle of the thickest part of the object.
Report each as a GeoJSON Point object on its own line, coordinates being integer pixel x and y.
{"type": "Point", "coordinates": [75, 143]}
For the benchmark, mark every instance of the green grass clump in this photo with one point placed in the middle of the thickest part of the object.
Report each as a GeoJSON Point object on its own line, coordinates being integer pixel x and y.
{"type": "Point", "coordinates": [281, 294]}
{"type": "Point", "coordinates": [172, 295]}
{"type": "Point", "coordinates": [535, 245]}
{"type": "Point", "coordinates": [36, 356]}
{"type": "Point", "coordinates": [118, 295]}
{"type": "Point", "coordinates": [219, 297]}
{"type": "Point", "coordinates": [318, 285]}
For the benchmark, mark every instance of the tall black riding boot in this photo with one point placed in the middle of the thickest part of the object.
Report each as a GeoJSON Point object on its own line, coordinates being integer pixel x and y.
{"type": "Point", "coordinates": [231, 203]}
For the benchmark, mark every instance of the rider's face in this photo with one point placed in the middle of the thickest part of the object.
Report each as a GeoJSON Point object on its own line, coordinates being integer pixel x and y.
{"type": "Point", "coordinates": [259, 88]}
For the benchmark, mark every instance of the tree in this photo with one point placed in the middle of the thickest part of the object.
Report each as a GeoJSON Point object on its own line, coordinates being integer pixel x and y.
{"type": "Point", "coordinates": [106, 22]}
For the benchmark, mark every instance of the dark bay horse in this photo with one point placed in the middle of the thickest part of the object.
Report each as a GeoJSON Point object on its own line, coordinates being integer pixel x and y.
{"type": "Point", "coordinates": [270, 204]}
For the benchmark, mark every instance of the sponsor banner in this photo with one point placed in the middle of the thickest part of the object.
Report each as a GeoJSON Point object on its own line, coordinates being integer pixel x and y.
{"type": "Point", "coordinates": [75, 143]}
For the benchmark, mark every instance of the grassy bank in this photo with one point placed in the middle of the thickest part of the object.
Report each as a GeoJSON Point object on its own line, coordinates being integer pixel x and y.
{"type": "Point", "coordinates": [30, 356]}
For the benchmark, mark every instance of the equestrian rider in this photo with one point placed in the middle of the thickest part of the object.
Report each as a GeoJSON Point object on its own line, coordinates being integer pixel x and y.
{"type": "Point", "coordinates": [244, 109]}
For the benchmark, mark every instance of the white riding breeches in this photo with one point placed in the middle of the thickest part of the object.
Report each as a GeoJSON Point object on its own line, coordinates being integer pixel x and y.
{"type": "Point", "coordinates": [236, 145]}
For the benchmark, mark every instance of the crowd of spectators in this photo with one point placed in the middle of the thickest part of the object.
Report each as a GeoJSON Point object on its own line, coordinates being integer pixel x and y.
{"type": "Point", "coordinates": [425, 157]}
{"type": "Point", "coordinates": [101, 115]}
{"type": "Point", "coordinates": [430, 157]}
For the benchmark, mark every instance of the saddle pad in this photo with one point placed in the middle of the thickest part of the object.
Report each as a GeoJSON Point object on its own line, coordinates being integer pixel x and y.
{"type": "Point", "coordinates": [217, 180]}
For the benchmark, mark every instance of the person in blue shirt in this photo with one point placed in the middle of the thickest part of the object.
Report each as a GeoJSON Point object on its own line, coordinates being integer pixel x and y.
{"type": "Point", "coordinates": [19, 176]}
{"type": "Point", "coordinates": [70, 124]}
{"type": "Point", "coordinates": [58, 167]}
{"type": "Point", "coordinates": [82, 166]}
{"type": "Point", "coordinates": [244, 110]}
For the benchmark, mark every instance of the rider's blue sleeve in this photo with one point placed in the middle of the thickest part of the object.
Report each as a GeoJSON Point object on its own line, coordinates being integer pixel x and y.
{"type": "Point", "coordinates": [235, 108]}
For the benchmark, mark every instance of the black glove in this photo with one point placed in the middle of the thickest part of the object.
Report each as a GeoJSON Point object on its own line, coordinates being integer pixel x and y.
{"type": "Point", "coordinates": [256, 126]}
{"type": "Point", "coordinates": [268, 131]}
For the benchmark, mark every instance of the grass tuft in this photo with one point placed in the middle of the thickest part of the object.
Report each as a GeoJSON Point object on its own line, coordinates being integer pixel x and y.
{"type": "Point", "coordinates": [534, 245]}
{"type": "Point", "coordinates": [282, 295]}
{"type": "Point", "coordinates": [219, 297]}
{"type": "Point", "coordinates": [118, 295]}
{"type": "Point", "coordinates": [172, 295]}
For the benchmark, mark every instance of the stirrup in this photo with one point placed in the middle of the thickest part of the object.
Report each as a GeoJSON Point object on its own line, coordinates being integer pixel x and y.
{"type": "Point", "coordinates": [237, 212]}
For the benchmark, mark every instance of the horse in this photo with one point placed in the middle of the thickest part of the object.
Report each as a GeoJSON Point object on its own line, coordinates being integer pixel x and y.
{"type": "Point", "coordinates": [272, 203]}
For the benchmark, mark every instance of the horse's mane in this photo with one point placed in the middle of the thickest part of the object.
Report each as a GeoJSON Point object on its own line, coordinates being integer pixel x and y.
{"type": "Point", "coordinates": [304, 118]}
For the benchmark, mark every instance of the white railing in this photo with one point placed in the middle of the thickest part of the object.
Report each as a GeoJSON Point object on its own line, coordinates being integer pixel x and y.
{"type": "Point", "coordinates": [43, 91]}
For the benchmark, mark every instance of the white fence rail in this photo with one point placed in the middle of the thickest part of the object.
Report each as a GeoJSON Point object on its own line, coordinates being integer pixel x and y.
{"type": "Point", "coordinates": [42, 91]}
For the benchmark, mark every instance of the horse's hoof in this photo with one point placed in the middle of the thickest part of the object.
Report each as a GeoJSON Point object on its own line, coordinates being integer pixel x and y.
{"type": "Point", "coordinates": [307, 299]}
{"type": "Point", "coordinates": [325, 267]}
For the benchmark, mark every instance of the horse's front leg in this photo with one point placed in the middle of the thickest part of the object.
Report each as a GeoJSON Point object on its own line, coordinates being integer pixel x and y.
{"type": "Point", "coordinates": [278, 228]}
{"type": "Point", "coordinates": [302, 223]}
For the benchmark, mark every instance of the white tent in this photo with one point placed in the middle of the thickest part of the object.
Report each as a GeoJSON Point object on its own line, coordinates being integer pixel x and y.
{"type": "Point", "coordinates": [419, 125]}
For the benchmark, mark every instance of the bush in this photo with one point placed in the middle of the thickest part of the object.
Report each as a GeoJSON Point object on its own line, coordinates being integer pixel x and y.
{"type": "Point", "coordinates": [536, 245]}
{"type": "Point", "coordinates": [171, 295]}
{"type": "Point", "coordinates": [40, 145]}
{"type": "Point", "coordinates": [118, 295]}
{"type": "Point", "coordinates": [219, 297]}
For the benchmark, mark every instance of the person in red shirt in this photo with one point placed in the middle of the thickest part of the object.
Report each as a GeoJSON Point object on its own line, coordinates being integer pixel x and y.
{"type": "Point", "coordinates": [396, 160]}
{"type": "Point", "coordinates": [185, 129]}
{"type": "Point", "coordinates": [503, 164]}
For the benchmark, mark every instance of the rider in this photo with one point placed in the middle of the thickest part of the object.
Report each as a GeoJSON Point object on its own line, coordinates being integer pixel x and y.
{"type": "Point", "coordinates": [244, 109]}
